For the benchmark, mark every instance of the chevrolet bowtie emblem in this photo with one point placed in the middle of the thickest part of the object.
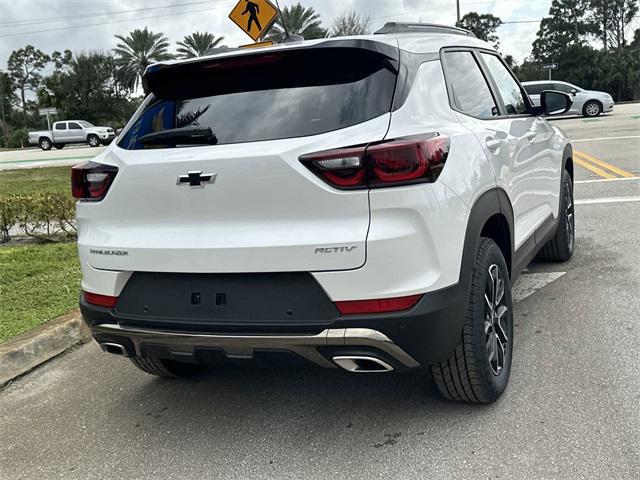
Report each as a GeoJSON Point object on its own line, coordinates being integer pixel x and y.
{"type": "Point", "coordinates": [197, 179]}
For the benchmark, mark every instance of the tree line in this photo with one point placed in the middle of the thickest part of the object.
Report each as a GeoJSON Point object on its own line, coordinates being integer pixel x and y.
{"type": "Point", "coordinates": [590, 40]}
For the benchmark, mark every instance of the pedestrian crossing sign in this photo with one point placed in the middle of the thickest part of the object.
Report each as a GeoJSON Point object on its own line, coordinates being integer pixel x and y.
{"type": "Point", "coordinates": [254, 17]}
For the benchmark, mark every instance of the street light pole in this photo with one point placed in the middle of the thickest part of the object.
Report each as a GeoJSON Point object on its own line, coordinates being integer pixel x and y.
{"type": "Point", "coordinates": [458, 11]}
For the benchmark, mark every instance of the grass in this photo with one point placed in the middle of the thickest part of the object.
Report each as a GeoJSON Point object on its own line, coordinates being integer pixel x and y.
{"type": "Point", "coordinates": [37, 283]}
{"type": "Point", "coordinates": [35, 180]}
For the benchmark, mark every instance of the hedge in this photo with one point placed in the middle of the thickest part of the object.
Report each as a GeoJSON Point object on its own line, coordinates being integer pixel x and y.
{"type": "Point", "coordinates": [48, 217]}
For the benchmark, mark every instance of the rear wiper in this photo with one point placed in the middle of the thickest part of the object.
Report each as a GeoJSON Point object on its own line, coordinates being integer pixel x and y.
{"type": "Point", "coordinates": [181, 136]}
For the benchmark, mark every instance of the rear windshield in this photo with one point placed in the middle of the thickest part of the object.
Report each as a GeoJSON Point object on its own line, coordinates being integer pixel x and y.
{"type": "Point", "coordinates": [266, 97]}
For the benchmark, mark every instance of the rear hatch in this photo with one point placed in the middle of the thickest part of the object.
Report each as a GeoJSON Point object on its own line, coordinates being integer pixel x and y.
{"type": "Point", "coordinates": [242, 201]}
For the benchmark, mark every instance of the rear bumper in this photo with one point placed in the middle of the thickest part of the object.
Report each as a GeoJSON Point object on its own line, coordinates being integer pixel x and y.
{"type": "Point", "coordinates": [427, 333]}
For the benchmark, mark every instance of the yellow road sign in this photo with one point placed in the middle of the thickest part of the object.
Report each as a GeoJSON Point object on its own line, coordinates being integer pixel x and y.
{"type": "Point", "coordinates": [254, 17]}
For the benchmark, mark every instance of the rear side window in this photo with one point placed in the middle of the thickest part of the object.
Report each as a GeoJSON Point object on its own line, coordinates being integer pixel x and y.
{"type": "Point", "coordinates": [508, 87]}
{"type": "Point", "coordinates": [469, 90]}
{"type": "Point", "coordinates": [268, 97]}
{"type": "Point", "coordinates": [61, 126]}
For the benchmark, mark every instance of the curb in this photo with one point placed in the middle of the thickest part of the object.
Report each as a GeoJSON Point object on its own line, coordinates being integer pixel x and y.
{"type": "Point", "coordinates": [29, 350]}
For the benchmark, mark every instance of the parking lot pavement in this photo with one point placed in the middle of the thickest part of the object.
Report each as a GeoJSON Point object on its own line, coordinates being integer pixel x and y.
{"type": "Point", "coordinates": [572, 409]}
{"type": "Point", "coordinates": [35, 157]}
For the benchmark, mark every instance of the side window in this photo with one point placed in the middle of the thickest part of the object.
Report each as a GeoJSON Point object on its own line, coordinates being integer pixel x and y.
{"type": "Point", "coordinates": [507, 85]}
{"type": "Point", "coordinates": [74, 126]}
{"type": "Point", "coordinates": [563, 87]}
{"type": "Point", "coordinates": [61, 126]}
{"type": "Point", "coordinates": [534, 89]}
{"type": "Point", "coordinates": [469, 89]}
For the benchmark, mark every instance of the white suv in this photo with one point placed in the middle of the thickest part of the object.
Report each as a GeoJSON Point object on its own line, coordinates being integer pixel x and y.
{"type": "Point", "coordinates": [361, 202]}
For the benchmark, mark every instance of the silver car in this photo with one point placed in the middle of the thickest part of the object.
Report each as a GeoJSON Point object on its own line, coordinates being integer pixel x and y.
{"type": "Point", "coordinates": [588, 103]}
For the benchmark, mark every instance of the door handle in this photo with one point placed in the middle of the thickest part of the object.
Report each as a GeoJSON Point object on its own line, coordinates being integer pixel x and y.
{"type": "Point", "coordinates": [493, 144]}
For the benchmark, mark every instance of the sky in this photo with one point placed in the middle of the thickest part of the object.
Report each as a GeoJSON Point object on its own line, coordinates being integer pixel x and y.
{"type": "Point", "coordinates": [91, 24]}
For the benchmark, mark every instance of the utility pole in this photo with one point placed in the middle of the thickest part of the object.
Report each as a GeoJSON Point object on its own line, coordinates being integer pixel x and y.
{"type": "Point", "coordinates": [458, 11]}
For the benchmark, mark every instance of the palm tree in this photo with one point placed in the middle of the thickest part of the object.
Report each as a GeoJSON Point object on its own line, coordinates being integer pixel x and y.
{"type": "Point", "coordinates": [198, 44]}
{"type": "Point", "coordinates": [136, 52]}
{"type": "Point", "coordinates": [299, 21]}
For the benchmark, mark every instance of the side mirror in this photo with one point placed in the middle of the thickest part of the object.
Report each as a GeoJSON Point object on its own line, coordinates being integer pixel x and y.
{"type": "Point", "coordinates": [554, 102]}
{"type": "Point", "coordinates": [574, 92]}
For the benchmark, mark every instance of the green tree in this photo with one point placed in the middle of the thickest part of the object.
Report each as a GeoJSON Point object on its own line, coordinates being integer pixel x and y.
{"type": "Point", "coordinates": [299, 21]}
{"type": "Point", "coordinates": [611, 20]}
{"type": "Point", "coordinates": [566, 24]}
{"type": "Point", "coordinates": [87, 88]}
{"type": "Point", "coordinates": [7, 98]}
{"type": "Point", "coordinates": [351, 23]}
{"type": "Point", "coordinates": [136, 51]}
{"type": "Point", "coordinates": [198, 44]}
{"type": "Point", "coordinates": [24, 67]}
{"type": "Point", "coordinates": [483, 26]}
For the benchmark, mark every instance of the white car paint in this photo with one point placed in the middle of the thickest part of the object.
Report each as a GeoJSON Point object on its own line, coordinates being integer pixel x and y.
{"type": "Point", "coordinates": [409, 239]}
{"type": "Point", "coordinates": [580, 96]}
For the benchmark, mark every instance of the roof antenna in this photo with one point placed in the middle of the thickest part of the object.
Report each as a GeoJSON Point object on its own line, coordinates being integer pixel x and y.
{"type": "Point", "coordinates": [284, 25]}
{"type": "Point", "coordinates": [288, 37]}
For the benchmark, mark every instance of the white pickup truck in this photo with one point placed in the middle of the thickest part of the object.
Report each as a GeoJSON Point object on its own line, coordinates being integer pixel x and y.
{"type": "Point", "coordinates": [72, 131]}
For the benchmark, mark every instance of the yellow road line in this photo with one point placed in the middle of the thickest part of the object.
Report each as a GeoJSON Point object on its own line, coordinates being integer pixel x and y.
{"type": "Point", "coordinates": [594, 169]}
{"type": "Point", "coordinates": [608, 166]}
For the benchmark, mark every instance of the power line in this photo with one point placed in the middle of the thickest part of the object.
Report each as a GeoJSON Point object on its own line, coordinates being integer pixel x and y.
{"type": "Point", "coordinates": [33, 32]}
{"type": "Point", "coordinates": [23, 23]}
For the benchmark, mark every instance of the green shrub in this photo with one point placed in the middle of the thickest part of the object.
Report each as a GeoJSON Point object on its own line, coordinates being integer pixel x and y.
{"type": "Point", "coordinates": [18, 138]}
{"type": "Point", "coordinates": [47, 217]}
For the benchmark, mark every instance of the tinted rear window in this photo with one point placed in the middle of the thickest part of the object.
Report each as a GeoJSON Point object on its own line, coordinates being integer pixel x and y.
{"type": "Point", "coordinates": [278, 96]}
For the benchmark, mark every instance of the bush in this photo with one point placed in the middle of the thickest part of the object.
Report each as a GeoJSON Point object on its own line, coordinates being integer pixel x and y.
{"type": "Point", "coordinates": [18, 138]}
{"type": "Point", "coordinates": [48, 217]}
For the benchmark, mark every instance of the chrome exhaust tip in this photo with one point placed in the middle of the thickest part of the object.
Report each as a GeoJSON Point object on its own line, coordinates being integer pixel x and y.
{"type": "Point", "coordinates": [362, 364]}
{"type": "Point", "coordinates": [114, 348]}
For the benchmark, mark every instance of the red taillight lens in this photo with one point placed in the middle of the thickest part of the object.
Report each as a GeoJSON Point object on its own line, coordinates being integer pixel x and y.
{"type": "Point", "coordinates": [91, 180]}
{"type": "Point", "coordinates": [392, 163]}
{"type": "Point", "coordinates": [100, 300]}
{"type": "Point", "coordinates": [382, 305]}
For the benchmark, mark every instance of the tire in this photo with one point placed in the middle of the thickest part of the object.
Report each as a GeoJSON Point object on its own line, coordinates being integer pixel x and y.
{"type": "Point", "coordinates": [166, 368]}
{"type": "Point", "coordinates": [479, 368]}
{"type": "Point", "coordinates": [592, 108]}
{"type": "Point", "coordinates": [560, 248]}
{"type": "Point", "coordinates": [58, 146]}
{"type": "Point", "coordinates": [93, 141]}
{"type": "Point", "coordinates": [45, 144]}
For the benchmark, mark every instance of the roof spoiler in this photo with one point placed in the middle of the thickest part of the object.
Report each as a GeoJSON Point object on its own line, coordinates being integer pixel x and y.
{"type": "Point", "coordinates": [400, 27]}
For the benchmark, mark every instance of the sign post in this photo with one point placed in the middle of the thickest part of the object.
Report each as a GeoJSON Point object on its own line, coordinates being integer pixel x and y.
{"type": "Point", "coordinates": [47, 112]}
{"type": "Point", "coordinates": [254, 17]}
{"type": "Point", "coordinates": [550, 66]}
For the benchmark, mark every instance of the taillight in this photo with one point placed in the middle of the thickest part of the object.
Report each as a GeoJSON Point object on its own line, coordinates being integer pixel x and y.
{"type": "Point", "coordinates": [91, 180]}
{"type": "Point", "coordinates": [397, 162]}
{"type": "Point", "coordinates": [382, 305]}
{"type": "Point", "coordinates": [100, 300]}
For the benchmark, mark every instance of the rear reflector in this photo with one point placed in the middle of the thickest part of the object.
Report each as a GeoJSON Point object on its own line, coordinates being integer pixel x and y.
{"type": "Point", "coordinates": [404, 161]}
{"type": "Point", "coordinates": [91, 180]}
{"type": "Point", "coordinates": [100, 300]}
{"type": "Point", "coordinates": [382, 305]}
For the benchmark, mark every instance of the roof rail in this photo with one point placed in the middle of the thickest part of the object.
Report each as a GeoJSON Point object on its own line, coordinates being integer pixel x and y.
{"type": "Point", "coordinates": [400, 27]}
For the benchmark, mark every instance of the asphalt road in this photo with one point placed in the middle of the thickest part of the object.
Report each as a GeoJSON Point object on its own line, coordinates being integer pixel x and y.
{"type": "Point", "coordinates": [572, 409]}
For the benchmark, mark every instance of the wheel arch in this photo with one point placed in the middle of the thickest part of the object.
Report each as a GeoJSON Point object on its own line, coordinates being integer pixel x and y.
{"type": "Point", "coordinates": [490, 216]}
{"type": "Point", "coordinates": [567, 160]}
